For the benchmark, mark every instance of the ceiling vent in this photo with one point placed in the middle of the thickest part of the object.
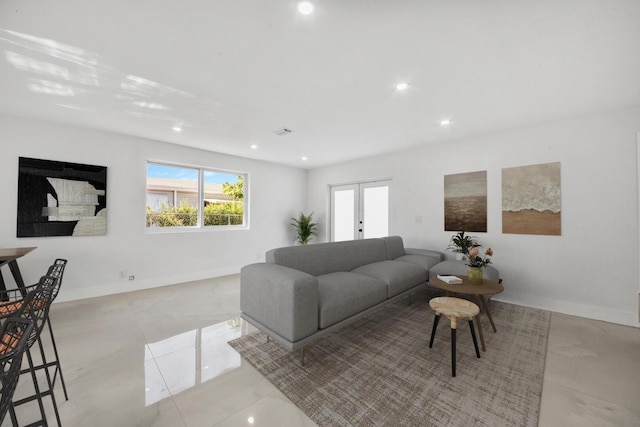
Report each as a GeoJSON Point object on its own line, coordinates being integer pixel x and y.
{"type": "Point", "coordinates": [283, 131]}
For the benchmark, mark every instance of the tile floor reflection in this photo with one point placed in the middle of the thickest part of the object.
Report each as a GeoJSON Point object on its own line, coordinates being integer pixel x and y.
{"type": "Point", "coordinates": [160, 357]}
{"type": "Point", "coordinates": [191, 358]}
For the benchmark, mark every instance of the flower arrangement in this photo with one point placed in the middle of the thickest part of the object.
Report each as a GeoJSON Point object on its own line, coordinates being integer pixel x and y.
{"type": "Point", "coordinates": [477, 260]}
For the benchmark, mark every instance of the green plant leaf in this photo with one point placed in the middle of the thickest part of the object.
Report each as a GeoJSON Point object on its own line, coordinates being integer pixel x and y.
{"type": "Point", "coordinates": [305, 228]}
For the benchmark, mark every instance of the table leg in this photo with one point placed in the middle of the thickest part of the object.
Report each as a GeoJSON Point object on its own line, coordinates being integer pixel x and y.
{"type": "Point", "coordinates": [17, 276]}
{"type": "Point", "coordinates": [3, 288]}
{"type": "Point", "coordinates": [480, 332]}
{"type": "Point", "coordinates": [486, 309]}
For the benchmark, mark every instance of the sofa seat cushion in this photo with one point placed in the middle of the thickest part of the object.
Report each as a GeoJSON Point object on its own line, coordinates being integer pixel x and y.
{"type": "Point", "coordinates": [423, 261]}
{"type": "Point", "coordinates": [343, 294]}
{"type": "Point", "coordinates": [399, 276]}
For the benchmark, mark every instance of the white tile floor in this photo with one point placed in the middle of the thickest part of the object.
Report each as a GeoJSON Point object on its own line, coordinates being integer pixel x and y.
{"type": "Point", "coordinates": [159, 358]}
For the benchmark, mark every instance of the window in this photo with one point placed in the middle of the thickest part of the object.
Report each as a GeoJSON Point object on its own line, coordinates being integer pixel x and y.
{"type": "Point", "coordinates": [185, 196]}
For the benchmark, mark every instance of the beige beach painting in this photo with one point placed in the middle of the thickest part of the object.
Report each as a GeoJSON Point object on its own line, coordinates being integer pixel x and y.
{"type": "Point", "coordinates": [531, 199]}
{"type": "Point", "coordinates": [465, 202]}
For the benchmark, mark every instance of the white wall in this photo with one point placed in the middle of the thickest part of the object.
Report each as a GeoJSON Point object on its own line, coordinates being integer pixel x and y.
{"type": "Point", "coordinates": [590, 271]}
{"type": "Point", "coordinates": [95, 262]}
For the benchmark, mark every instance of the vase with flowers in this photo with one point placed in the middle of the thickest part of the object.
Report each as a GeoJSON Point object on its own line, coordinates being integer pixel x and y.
{"type": "Point", "coordinates": [476, 261]}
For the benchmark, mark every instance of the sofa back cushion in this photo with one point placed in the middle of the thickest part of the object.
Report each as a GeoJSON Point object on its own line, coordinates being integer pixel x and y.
{"type": "Point", "coordinates": [324, 258]}
{"type": "Point", "coordinates": [395, 247]}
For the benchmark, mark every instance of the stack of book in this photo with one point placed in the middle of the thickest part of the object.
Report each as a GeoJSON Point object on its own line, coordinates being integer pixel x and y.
{"type": "Point", "coordinates": [450, 279]}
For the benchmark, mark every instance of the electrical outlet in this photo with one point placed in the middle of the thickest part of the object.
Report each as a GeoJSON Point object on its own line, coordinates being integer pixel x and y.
{"type": "Point", "coordinates": [132, 277]}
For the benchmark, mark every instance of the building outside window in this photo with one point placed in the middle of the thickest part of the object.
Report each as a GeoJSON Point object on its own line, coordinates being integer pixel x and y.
{"type": "Point", "coordinates": [194, 197]}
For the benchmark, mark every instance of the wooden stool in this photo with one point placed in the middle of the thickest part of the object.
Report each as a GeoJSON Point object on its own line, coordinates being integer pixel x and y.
{"type": "Point", "coordinates": [454, 309]}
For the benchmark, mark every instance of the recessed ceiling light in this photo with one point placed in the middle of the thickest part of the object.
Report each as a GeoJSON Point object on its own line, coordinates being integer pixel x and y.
{"type": "Point", "coordinates": [445, 122]}
{"type": "Point", "coordinates": [177, 128]}
{"type": "Point", "coordinates": [402, 86]}
{"type": "Point", "coordinates": [254, 146]}
{"type": "Point", "coordinates": [305, 7]}
{"type": "Point", "coordinates": [304, 158]}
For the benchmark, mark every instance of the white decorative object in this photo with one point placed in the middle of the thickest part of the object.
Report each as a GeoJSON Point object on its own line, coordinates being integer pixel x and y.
{"type": "Point", "coordinates": [450, 279]}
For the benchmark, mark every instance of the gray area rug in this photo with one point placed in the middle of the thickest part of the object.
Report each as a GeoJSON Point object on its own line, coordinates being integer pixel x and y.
{"type": "Point", "coordinates": [380, 371]}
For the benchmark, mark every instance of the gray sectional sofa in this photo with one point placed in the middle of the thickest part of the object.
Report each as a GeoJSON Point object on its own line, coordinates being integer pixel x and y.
{"type": "Point", "coordinates": [304, 292]}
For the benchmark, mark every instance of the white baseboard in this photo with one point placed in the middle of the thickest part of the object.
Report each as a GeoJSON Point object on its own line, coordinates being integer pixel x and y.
{"type": "Point", "coordinates": [627, 318]}
{"type": "Point", "coordinates": [122, 286]}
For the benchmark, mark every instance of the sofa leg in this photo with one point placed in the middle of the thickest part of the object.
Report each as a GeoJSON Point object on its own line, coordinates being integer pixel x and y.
{"type": "Point", "coordinates": [302, 360]}
{"type": "Point", "coordinates": [267, 338]}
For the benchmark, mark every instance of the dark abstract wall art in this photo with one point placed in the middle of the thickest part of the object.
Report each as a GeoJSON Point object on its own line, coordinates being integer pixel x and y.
{"type": "Point", "coordinates": [465, 202]}
{"type": "Point", "coordinates": [61, 199]}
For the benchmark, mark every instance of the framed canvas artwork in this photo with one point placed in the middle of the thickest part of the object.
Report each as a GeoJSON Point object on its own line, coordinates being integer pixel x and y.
{"type": "Point", "coordinates": [61, 199]}
{"type": "Point", "coordinates": [465, 202]}
{"type": "Point", "coordinates": [531, 199]}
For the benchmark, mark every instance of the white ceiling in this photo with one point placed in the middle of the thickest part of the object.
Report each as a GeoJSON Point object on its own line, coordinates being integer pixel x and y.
{"type": "Point", "coordinates": [231, 72]}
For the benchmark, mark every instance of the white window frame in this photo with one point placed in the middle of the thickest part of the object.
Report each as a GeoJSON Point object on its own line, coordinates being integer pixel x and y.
{"type": "Point", "coordinates": [200, 227]}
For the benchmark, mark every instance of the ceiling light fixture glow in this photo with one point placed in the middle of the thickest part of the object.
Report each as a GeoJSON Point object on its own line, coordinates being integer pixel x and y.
{"type": "Point", "coordinates": [305, 158]}
{"type": "Point", "coordinates": [445, 122]}
{"type": "Point", "coordinates": [254, 147]}
{"type": "Point", "coordinates": [402, 86]}
{"type": "Point", "coordinates": [177, 128]}
{"type": "Point", "coordinates": [305, 7]}
{"type": "Point", "coordinates": [151, 105]}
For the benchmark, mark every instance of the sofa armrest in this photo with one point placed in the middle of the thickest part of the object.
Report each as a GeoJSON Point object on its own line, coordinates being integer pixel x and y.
{"type": "Point", "coordinates": [281, 298]}
{"type": "Point", "coordinates": [427, 252]}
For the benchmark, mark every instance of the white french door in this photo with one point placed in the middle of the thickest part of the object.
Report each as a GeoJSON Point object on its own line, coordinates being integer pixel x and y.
{"type": "Point", "coordinates": [360, 211]}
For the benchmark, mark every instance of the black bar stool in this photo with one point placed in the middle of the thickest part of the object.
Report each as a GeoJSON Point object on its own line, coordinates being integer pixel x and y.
{"type": "Point", "coordinates": [35, 307]}
{"type": "Point", "coordinates": [56, 270]}
{"type": "Point", "coordinates": [11, 301]}
{"type": "Point", "coordinates": [14, 335]}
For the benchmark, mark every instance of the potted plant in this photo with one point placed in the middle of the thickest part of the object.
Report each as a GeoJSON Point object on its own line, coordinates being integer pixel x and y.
{"type": "Point", "coordinates": [476, 262]}
{"type": "Point", "coordinates": [462, 244]}
{"type": "Point", "coordinates": [304, 228]}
